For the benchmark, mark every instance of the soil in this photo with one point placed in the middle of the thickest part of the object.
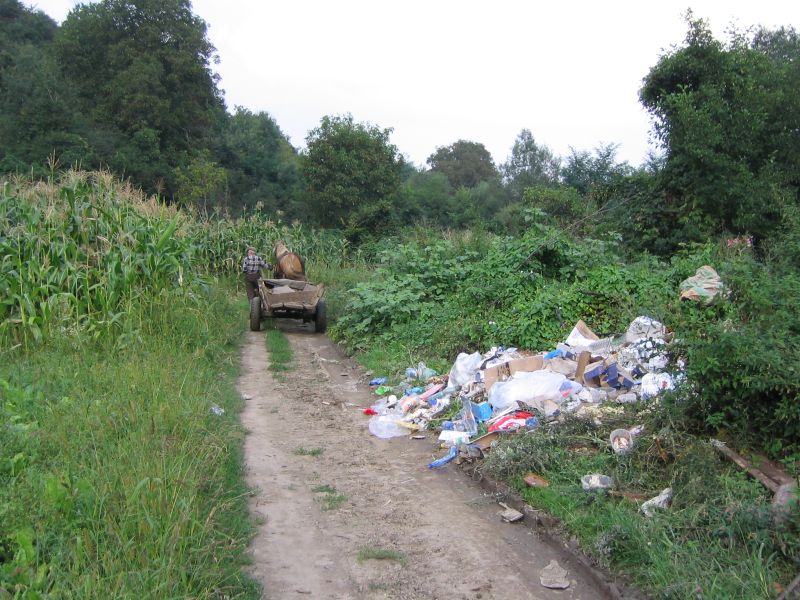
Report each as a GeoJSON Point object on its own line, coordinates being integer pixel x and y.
{"type": "Point", "coordinates": [328, 495]}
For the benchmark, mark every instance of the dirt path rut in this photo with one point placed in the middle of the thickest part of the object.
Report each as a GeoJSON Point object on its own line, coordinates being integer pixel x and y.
{"type": "Point", "coordinates": [326, 490]}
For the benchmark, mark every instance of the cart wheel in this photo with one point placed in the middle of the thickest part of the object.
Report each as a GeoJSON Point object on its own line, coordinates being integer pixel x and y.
{"type": "Point", "coordinates": [255, 314]}
{"type": "Point", "coordinates": [320, 317]}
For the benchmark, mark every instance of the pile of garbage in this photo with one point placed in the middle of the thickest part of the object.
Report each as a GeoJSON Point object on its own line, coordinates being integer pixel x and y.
{"type": "Point", "coordinates": [512, 390]}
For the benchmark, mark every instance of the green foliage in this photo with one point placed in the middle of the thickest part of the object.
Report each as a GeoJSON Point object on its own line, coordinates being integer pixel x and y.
{"type": "Point", "coordinates": [585, 171]}
{"type": "Point", "coordinates": [349, 169]}
{"type": "Point", "coordinates": [261, 164]}
{"type": "Point", "coordinates": [141, 71]}
{"type": "Point", "coordinates": [465, 164]}
{"type": "Point", "coordinates": [723, 114]}
{"type": "Point", "coordinates": [79, 254]}
{"type": "Point", "coordinates": [530, 164]}
{"type": "Point", "coordinates": [201, 183]}
{"type": "Point", "coordinates": [741, 358]}
{"type": "Point", "coordinates": [445, 296]}
{"type": "Point", "coordinates": [110, 460]}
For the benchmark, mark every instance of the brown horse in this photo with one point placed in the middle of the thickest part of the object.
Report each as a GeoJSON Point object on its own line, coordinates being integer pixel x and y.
{"type": "Point", "coordinates": [288, 265]}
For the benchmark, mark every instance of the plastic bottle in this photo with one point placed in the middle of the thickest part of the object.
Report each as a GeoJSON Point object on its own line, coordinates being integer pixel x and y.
{"type": "Point", "coordinates": [467, 417]}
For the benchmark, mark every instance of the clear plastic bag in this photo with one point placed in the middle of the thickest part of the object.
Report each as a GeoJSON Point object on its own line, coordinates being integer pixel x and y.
{"type": "Point", "coordinates": [464, 369]}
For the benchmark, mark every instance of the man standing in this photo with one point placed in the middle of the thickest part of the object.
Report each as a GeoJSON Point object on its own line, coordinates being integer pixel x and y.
{"type": "Point", "coordinates": [251, 268]}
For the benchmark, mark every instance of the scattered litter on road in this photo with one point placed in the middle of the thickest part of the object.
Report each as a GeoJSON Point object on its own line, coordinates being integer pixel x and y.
{"type": "Point", "coordinates": [451, 455]}
{"type": "Point", "coordinates": [554, 576]}
{"type": "Point", "coordinates": [510, 515]}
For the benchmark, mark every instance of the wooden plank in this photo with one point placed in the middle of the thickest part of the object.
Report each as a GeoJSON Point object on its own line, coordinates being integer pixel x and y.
{"type": "Point", "coordinates": [740, 460]}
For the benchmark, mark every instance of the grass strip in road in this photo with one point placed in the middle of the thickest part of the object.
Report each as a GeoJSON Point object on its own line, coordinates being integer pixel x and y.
{"type": "Point", "coordinates": [375, 553]}
{"type": "Point", "coordinates": [280, 351]}
{"type": "Point", "coordinates": [301, 451]}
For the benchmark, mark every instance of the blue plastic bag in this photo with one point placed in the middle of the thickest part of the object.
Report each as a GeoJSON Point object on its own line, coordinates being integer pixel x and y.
{"type": "Point", "coordinates": [440, 462]}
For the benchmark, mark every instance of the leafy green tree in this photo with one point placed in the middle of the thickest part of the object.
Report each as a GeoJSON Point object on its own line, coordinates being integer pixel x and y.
{"type": "Point", "coordinates": [37, 110]}
{"type": "Point", "coordinates": [19, 26]}
{"type": "Point", "coordinates": [584, 170]}
{"type": "Point", "coordinates": [348, 168]}
{"type": "Point", "coordinates": [201, 183]}
{"type": "Point", "coordinates": [530, 164]}
{"type": "Point", "coordinates": [262, 165]}
{"type": "Point", "coordinates": [426, 196]}
{"type": "Point", "coordinates": [729, 119]}
{"type": "Point", "coordinates": [464, 163]}
{"type": "Point", "coordinates": [141, 70]}
{"type": "Point", "coordinates": [38, 119]}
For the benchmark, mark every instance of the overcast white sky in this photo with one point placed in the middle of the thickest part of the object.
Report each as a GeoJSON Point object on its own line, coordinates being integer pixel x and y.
{"type": "Point", "coordinates": [437, 71]}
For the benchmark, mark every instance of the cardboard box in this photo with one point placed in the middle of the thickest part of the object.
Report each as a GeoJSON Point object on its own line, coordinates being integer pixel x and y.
{"type": "Point", "coordinates": [505, 370]}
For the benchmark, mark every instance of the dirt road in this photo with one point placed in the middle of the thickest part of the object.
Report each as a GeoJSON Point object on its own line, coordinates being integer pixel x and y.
{"type": "Point", "coordinates": [329, 496]}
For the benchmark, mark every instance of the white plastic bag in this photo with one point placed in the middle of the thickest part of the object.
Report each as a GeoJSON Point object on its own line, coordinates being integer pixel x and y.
{"type": "Point", "coordinates": [385, 426]}
{"type": "Point", "coordinates": [531, 388]}
{"type": "Point", "coordinates": [655, 383]}
{"type": "Point", "coordinates": [660, 501]}
{"type": "Point", "coordinates": [644, 328]}
{"type": "Point", "coordinates": [464, 369]}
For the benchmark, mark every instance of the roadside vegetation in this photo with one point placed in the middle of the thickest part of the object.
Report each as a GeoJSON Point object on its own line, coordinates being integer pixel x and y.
{"type": "Point", "coordinates": [120, 445]}
{"type": "Point", "coordinates": [119, 323]}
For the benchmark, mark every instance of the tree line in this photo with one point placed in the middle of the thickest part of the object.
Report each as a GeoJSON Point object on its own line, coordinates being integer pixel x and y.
{"type": "Point", "coordinates": [127, 85]}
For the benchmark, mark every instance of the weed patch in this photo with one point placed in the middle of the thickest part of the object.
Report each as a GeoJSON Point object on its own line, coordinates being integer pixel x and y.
{"type": "Point", "coordinates": [376, 553]}
{"type": "Point", "coordinates": [301, 451]}
{"type": "Point", "coordinates": [329, 498]}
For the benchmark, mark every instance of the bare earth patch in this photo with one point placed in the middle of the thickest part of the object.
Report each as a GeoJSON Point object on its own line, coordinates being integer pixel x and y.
{"type": "Point", "coordinates": [344, 515]}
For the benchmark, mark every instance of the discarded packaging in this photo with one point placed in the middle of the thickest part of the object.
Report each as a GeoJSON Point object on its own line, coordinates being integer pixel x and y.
{"type": "Point", "coordinates": [379, 381]}
{"type": "Point", "coordinates": [531, 388]}
{"type": "Point", "coordinates": [516, 420]}
{"type": "Point", "coordinates": [505, 370]}
{"type": "Point", "coordinates": [385, 426]}
{"type": "Point", "coordinates": [627, 398]}
{"type": "Point", "coordinates": [660, 501]}
{"type": "Point", "coordinates": [464, 369]}
{"type": "Point", "coordinates": [452, 454]}
{"type": "Point", "coordinates": [510, 515]}
{"type": "Point", "coordinates": [596, 481]}
{"type": "Point", "coordinates": [217, 410]}
{"type": "Point", "coordinates": [581, 336]}
{"type": "Point", "coordinates": [621, 441]}
{"type": "Point", "coordinates": [655, 383]}
{"type": "Point", "coordinates": [534, 480]}
{"type": "Point", "coordinates": [644, 327]}
{"type": "Point", "coordinates": [482, 411]}
{"type": "Point", "coordinates": [449, 436]}
{"type": "Point", "coordinates": [554, 576]}
{"type": "Point", "coordinates": [704, 286]}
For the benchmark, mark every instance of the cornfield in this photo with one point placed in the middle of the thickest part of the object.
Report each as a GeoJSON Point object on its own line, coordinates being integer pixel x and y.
{"type": "Point", "coordinates": [80, 252]}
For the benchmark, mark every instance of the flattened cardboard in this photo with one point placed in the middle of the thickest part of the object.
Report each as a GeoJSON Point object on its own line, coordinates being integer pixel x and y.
{"type": "Point", "coordinates": [583, 360]}
{"type": "Point", "coordinates": [503, 371]}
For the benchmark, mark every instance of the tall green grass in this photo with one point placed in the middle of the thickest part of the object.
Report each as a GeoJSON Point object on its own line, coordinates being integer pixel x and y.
{"type": "Point", "coordinates": [118, 336]}
{"type": "Point", "coordinates": [116, 478]}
